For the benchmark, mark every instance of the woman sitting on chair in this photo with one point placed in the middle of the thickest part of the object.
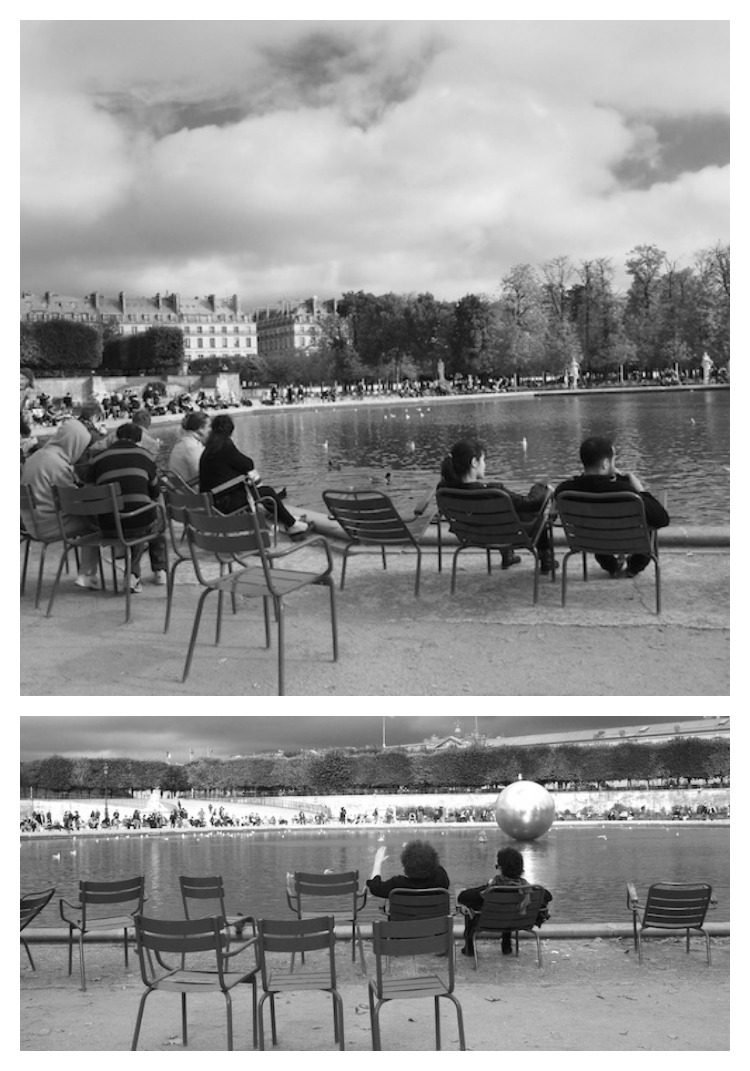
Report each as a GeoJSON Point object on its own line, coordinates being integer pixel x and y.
{"type": "Point", "coordinates": [463, 469]}
{"type": "Point", "coordinates": [509, 872]}
{"type": "Point", "coordinates": [422, 870]}
{"type": "Point", "coordinates": [221, 462]}
{"type": "Point", "coordinates": [184, 460]}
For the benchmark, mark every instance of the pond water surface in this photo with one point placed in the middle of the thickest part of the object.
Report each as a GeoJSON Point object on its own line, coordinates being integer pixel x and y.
{"type": "Point", "coordinates": [585, 867]}
{"type": "Point", "coordinates": [677, 442]}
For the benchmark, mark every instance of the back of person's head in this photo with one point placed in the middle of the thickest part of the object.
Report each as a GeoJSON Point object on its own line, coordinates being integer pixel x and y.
{"type": "Point", "coordinates": [455, 467]}
{"type": "Point", "coordinates": [419, 859]}
{"type": "Point", "coordinates": [510, 862]}
{"type": "Point", "coordinates": [194, 421]}
{"type": "Point", "coordinates": [130, 433]}
{"type": "Point", "coordinates": [222, 425]}
{"type": "Point", "coordinates": [594, 451]}
{"type": "Point", "coordinates": [142, 418]}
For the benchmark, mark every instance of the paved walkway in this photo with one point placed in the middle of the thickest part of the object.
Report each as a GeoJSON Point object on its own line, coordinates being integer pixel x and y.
{"type": "Point", "coordinates": [590, 995]}
{"type": "Point", "coordinates": [487, 639]}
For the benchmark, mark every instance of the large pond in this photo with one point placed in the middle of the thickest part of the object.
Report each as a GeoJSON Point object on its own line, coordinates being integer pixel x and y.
{"type": "Point", "coordinates": [585, 867]}
{"type": "Point", "coordinates": [678, 442]}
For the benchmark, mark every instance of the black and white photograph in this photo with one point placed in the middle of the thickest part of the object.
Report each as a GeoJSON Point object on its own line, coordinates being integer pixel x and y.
{"type": "Point", "coordinates": [374, 356]}
{"type": "Point", "coordinates": [400, 883]}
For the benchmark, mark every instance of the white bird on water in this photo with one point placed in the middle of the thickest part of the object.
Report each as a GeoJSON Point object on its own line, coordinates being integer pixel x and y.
{"type": "Point", "coordinates": [57, 856]}
{"type": "Point", "coordinates": [524, 444]}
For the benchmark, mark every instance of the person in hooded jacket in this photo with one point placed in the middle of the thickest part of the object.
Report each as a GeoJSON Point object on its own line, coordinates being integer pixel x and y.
{"type": "Point", "coordinates": [54, 465]}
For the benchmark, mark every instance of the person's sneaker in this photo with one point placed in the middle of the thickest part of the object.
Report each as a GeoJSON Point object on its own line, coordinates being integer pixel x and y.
{"type": "Point", "coordinates": [510, 559]}
{"type": "Point", "coordinates": [160, 576]}
{"type": "Point", "coordinates": [135, 584]}
{"type": "Point", "coordinates": [618, 569]}
{"type": "Point", "coordinates": [546, 565]}
{"type": "Point", "coordinates": [506, 947]}
{"type": "Point", "coordinates": [298, 528]}
{"type": "Point", "coordinates": [90, 581]}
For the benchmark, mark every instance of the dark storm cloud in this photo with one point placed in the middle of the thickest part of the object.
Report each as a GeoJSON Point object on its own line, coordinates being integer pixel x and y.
{"type": "Point", "coordinates": [153, 737]}
{"type": "Point", "coordinates": [669, 146]}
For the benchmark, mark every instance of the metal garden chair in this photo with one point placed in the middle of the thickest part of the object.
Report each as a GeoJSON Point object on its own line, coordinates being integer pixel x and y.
{"type": "Point", "coordinates": [510, 908]}
{"type": "Point", "coordinates": [289, 937]}
{"type": "Point", "coordinates": [310, 895]}
{"type": "Point", "coordinates": [416, 937]}
{"type": "Point", "coordinates": [244, 534]}
{"type": "Point", "coordinates": [181, 938]}
{"type": "Point", "coordinates": [30, 529]}
{"type": "Point", "coordinates": [613, 524]}
{"type": "Point", "coordinates": [671, 906]}
{"type": "Point", "coordinates": [175, 505]}
{"type": "Point", "coordinates": [32, 904]}
{"type": "Point", "coordinates": [102, 906]}
{"type": "Point", "coordinates": [487, 519]}
{"type": "Point", "coordinates": [369, 519]}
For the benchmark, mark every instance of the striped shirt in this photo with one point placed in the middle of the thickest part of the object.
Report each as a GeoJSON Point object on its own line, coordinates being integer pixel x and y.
{"type": "Point", "coordinates": [131, 467]}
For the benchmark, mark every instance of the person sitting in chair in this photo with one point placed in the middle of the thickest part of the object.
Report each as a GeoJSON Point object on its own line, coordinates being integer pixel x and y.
{"type": "Point", "coordinates": [600, 476]}
{"type": "Point", "coordinates": [463, 469]}
{"type": "Point", "coordinates": [221, 462]}
{"type": "Point", "coordinates": [422, 870]}
{"type": "Point", "coordinates": [510, 872]}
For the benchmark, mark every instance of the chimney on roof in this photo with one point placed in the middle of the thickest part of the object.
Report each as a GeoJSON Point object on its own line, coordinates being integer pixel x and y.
{"type": "Point", "coordinates": [176, 303]}
{"type": "Point", "coordinates": [95, 301]}
{"type": "Point", "coordinates": [157, 299]}
{"type": "Point", "coordinates": [122, 302]}
{"type": "Point", "coordinates": [47, 297]}
{"type": "Point", "coordinates": [212, 302]}
{"type": "Point", "coordinates": [235, 304]}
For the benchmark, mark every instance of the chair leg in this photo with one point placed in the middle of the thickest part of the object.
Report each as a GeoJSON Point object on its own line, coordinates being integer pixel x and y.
{"type": "Point", "coordinates": [453, 571]}
{"type": "Point", "coordinates": [194, 634]}
{"type": "Point", "coordinates": [170, 594]}
{"type": "Point", "coordinates": [219, 606]}
{"type": "Point", "coordinates": [657, 573]}
{"type": "Point", "coordinates": [230, 1036]}
{"type": "Point", "coordinates": [40, 575]}
{"type": "Point", "coordinates": [460, 1018]}
{"type": "Point", "coordinates": [382, 552]}
{"type": "Point", "coordinates": [279, 605]}
{"type": "Point", "coordinates": [374, 1022]}
{"type": "Point", "coordinates": [437, 1023]}
{"type": "Point", "coordinates": [338, 1020]}
{"type": "Point", "coordinates": [536, 577]}
{"type": "Point", "coordinates": [343, 566]}
{"type": "Point", "coordinates": [26, 549]}
{"type": "Point", "coordinates": [183, 1009]}
{"type": "Point", "coordinates": [334, 622]}
{"type": "Point", "coordinates": [266, 621]}
{"type": "Point", "coordinates": [127, 584]}
{"type": "Point", "coordinates": [82, 963]}
{"type": "Point", "coordinates": [419, 573]}
{"type": "Point", "coordinates": [28, 953]}
{"type": "Point", "coordinates": [139, 1020]}
{"type": "Point", "coordinates": [56, 581]}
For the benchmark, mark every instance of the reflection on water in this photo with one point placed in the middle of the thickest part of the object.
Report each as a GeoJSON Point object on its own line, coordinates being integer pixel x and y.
{"type": "Point", "coordinates": [677, 442]}
{"type": "Point", "coordinates": [586, 868]}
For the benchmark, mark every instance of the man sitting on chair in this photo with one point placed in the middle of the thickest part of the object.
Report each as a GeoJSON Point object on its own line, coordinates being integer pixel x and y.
{"type": "Point", "coordinates": [601, 477]}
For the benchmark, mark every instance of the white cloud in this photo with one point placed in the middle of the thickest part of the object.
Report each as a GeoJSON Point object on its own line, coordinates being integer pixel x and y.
{"type": "Point", "coordinates": [404, 156]}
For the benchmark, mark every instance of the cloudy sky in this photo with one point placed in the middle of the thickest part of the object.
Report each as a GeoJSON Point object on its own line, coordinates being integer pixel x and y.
{"type": "Point", "coordinates": [152, 737]}
{"type": "Point", "coordinates": [283, 159]}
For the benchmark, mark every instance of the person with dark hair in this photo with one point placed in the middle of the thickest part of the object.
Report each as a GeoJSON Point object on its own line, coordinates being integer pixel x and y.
{"type": "Point", "coordinates": [510, 872]}
{"type": "Point", "coordinates": [222, 462]}
{"type": "Point", "coordinates": [600, 476]}
{"type": "Point", "coordinates": [464, 469]}
{"type": "Point", "coordinates": [127, 464]}
{"type": "Point", "coordinates": [421, 866]}
{"type": "Point", "coordinates": [184, 459]}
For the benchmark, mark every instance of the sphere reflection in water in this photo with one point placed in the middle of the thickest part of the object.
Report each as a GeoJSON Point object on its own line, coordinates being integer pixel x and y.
{"type": "Point", "coordinates": [525, 810]}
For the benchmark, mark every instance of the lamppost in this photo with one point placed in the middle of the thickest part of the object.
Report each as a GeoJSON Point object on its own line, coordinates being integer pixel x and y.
{"type": "Point", "coordinates": [106, 809]}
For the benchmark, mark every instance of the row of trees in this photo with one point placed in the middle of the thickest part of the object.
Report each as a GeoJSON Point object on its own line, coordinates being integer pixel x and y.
{"type": "Point", "coordinates": [541, 320]}
{"type": "Point", "coordinates": [49, 347]}
{"type": "Point", "coordinates": [346, 771]}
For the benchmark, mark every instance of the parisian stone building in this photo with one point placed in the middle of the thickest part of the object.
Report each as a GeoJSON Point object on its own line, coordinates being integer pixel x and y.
{"type": "Point", "coordinates": [211, 326]}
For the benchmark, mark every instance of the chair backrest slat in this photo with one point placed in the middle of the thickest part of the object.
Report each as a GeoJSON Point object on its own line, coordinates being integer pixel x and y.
{"type": "Point", "coordinates": [127, 893]}
{"type": "Point", "coordinates": [510, 907]}
{"type": "Point", "coordinates": [604, 523]}
{"type": "Point", "coordinates": [414, 937]}
{"type": "Point", "coordinates": [676, 906]}
{"type": "Point", "coordinates": [178, 938]}
{"type": "Point", "coordinates": [367, 517]}
{"type": "Point", "coordinates": [483, 518]}
{"type": "Point", "coordinates": [32, 904]}
{"type": "Point", "coordinates": [406, 904]}
{"type": "Point", "coordinates": [203, 888]}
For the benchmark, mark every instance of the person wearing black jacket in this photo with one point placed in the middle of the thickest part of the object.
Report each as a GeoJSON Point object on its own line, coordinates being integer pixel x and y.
{"type": "Point", "coordinates": [600, 476]}
{"type": "Point", "coordinates": [222, 462]}
{"type": "Point", "coordinates": [422, 870]}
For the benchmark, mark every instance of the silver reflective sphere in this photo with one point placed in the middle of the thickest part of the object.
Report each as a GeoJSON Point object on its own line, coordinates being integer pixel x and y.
{"type": "Point", "coordinates": [525, 810]}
